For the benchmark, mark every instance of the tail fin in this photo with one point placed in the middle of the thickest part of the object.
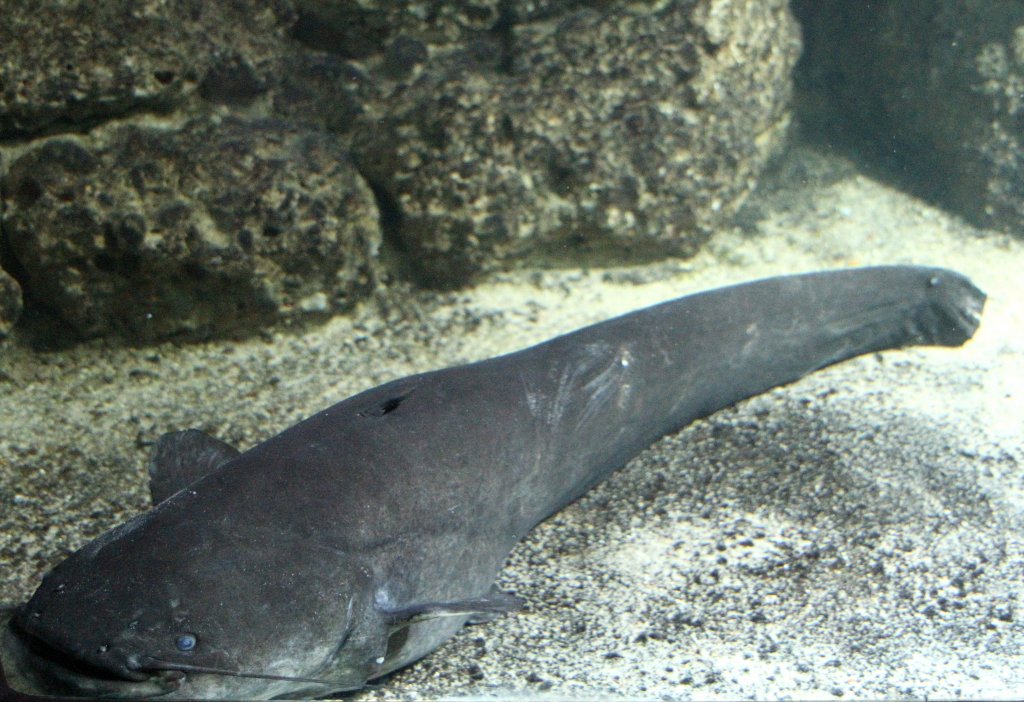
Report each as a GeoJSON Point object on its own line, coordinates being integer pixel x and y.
{"type": "Point", "coordinates": [893, 307]}
{"type": "Point", "coordinates": [952, 310]}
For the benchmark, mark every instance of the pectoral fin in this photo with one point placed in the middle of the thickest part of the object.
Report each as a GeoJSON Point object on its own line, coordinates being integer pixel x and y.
{"type": "Point", "coordinates": [182, 457]}
{"type": "Point", "coordinates": [479, 609]}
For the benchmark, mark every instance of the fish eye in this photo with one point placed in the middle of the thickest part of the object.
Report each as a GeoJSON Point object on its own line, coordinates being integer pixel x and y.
{"type": "Point", "coordinates": [185, 642]}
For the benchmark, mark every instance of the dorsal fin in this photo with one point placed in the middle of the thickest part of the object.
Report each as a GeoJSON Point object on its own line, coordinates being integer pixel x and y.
{"type": "Point", "coordinates": [182, 457]}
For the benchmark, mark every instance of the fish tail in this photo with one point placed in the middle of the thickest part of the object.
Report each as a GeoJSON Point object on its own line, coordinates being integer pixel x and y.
{"type": "Point", "coordinates": [903, 306]}
{"type": "Point", "coordinates": [951, 313]}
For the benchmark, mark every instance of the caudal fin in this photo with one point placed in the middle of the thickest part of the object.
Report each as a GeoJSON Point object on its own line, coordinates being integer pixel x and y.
{"type": "Point", "coordinates": [952, 311]}
{"type": "Point", "coordinates": [888, 307]}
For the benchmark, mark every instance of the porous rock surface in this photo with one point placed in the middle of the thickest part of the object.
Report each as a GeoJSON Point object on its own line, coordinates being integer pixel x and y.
{"type": "Point", "coordinates": [10, 292]}
{"type": "Point", "coordinates": [66, 65]}
{"type": "Point", "coordinates": [156, 232]}
{"type": "Point", "coordinates": [10, 303]}
{"type": "Point", "coordinates": [483, 135]}
{"type": "Point", "coordinates": [932, 92]}
{"type": "Point", "coordinates": [592, 135]}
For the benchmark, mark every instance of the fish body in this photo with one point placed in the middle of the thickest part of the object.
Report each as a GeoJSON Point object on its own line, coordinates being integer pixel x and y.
{"type": "Point", "coordinates": [363, 537]}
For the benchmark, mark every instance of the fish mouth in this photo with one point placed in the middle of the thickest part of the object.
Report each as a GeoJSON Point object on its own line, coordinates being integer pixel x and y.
{"type": "Point", "coordinates": [32, 666]}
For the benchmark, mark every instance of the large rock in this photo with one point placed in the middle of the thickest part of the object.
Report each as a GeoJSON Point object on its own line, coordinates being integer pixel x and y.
{"type": "Point", "coordinates": [10, 303]}
{"type": "Point", "coordinates": [630, 132]}
{"type": "Point", "coordinates": [372, 27]}
{"type": "Point", "coordinates": [365, 29]}
{"type": "Point", "coordinates": [198, 231]}
{"type": "Point", "coordinates": [68, 64]}
{"type": "Point", "coordinates": [490, 133]}
{"type": "Point", "coordinates": [10, 291]}
{"type": "Point", "coordinates": [322, 91]}
{"type": "Point", "coordinates": [932, 91]}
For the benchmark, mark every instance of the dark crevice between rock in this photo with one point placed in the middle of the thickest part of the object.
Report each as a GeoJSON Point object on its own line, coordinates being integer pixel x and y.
{"type": "Point", "coordinates": [347, 32]}
{"type": "Point", "coordinates": [835, 118]}
{"type": "Point", "coordinates": [503, 30]}
{"type": "Point", "coordinates": [394, 254]}
{"type": "Point", "coordinates": [232, 81]}
{"type": "Point", "coordinates": [586, 247]}
{"type": "Point", "coordinates": [12, 134]}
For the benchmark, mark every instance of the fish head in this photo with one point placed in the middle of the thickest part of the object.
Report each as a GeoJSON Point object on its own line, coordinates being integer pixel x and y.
{"type": "Point", "coordinates": [161, 607]}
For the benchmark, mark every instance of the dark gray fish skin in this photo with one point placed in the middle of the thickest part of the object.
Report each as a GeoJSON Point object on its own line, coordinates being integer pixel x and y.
{"type": "Point", "coordinates": [362, 538]}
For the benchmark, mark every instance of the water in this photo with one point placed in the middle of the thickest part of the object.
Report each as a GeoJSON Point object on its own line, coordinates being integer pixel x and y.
{"type": "Point", "coordinates": [855, 534]}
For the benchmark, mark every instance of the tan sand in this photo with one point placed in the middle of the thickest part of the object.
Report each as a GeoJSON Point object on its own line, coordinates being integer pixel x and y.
{"type": "Point", "coordinates": [856, 534]}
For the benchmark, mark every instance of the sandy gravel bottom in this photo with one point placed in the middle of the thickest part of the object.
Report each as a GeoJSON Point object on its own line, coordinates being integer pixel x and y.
{"type": "Point", "coordinates": [856, 534]}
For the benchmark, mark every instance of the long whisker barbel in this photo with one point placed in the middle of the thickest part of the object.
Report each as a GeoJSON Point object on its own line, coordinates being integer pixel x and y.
{"type": "Point", "coordinates": [151, 663]}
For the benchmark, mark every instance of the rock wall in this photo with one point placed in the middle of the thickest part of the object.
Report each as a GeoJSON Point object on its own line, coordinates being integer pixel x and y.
{"type": "Point", "coordinates": [199, 169]}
